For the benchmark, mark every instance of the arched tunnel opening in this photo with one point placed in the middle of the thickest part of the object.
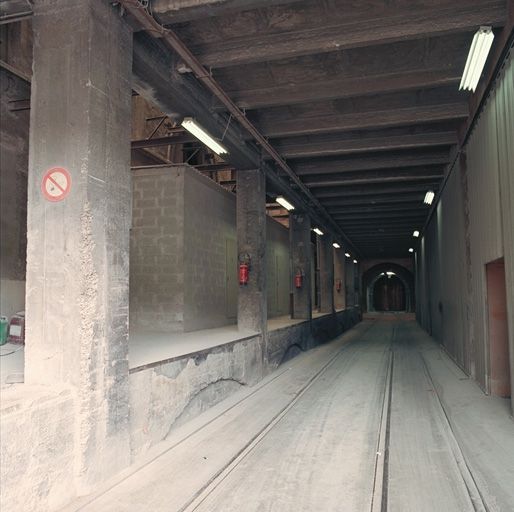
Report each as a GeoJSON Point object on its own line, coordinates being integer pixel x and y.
{"type": "Point", "coordinates": [389, 294]}
{"type": "Point", "coordinates": [388, 286]}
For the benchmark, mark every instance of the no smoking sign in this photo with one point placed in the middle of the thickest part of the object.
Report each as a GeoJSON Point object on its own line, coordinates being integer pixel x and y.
{"type": "Point", "coordinates": [56, 184]}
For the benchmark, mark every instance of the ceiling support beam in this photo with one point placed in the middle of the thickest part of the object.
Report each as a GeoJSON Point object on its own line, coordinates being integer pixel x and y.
{"type": "Point", "coordinates": [290, 94]}
{"type": "Point", "coordinates": [274, 128]}
{"type": "Point", "coordinates": [291, 149]}
{"type": "Point", "coordinates": [178, 11]}
{"type": "Point", "coordinates": [411, 24]}
{"type": "Point", "coordinates": [408, 161]}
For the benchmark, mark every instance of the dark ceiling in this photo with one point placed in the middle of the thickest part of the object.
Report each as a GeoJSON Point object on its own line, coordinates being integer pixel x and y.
{"type": "Point", "coordinates": [360, 97]}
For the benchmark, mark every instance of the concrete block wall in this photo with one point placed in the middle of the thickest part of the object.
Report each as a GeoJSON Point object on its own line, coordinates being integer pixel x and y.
{"type": "Point", "coordinates": [279, 279]}
{"type": "Point", "coordinates": [14, 137]}
{"type": "Point", "coordinates": [210, 262]}
{"type": "Point", "coordinates": [157, 250]}
{"type": "Point", "coordinates": [184, 253]}
{"type": "Point", "coordinates": [37, 448]}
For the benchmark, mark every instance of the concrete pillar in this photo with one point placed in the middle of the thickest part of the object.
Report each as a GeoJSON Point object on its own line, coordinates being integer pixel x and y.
{"type": "Point", "coordinates": [301, 253]}
{"type": "Point", "coordinates": [326, 273]}
{"type": "Point", "coordinates": [339, 279]}
{"type": "Point", "coordinates": [78, 247]}
{"type": "Point", "coordinates": [251, 242]}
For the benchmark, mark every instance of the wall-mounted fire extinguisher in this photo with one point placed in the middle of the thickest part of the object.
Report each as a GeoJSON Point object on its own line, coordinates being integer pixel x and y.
{"type": "Point", "coordinates": [244, 268]}
{"type": "Point", "coordinates": [339, 285]}
{"type": "Point", "coordinates": [298, 278]}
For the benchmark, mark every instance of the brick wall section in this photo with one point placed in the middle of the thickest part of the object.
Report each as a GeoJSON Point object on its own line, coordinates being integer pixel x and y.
{"type": "Point", "coordinates": [210, 242]}
{"type": "Point", "coordinates": [183, 263]}
{"type": "Point", "coordinates": [157, 250]}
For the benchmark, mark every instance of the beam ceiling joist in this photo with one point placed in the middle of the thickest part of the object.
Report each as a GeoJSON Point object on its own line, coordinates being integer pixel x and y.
{"type": "Point", "coordinates": [392, 207]}
{"type": "Point", "coordinates": [372, 200]}
{"type": "Point", "coordinates": [292, 149]}
{"type": "Point", "coordinates": [413, 23]}
{"type": "Point", "coordinates": [307, 125]}
{"type": "Point", "coordinates": [297, 93]}
{"type": "Point", "coordinates": [393, 177]}
{"type": "Point", "coordinates": [179, 11]}
{"type": "Point", "coordinates": [363, 191]}
{"type": "Point", "coordinates": [374, 162]}
{"type": "Point", "coordinates": [378, 217]}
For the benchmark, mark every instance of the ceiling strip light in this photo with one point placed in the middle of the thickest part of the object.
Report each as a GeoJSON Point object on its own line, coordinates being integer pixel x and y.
{"type": "Point", "coordinates": [415, 234]}
{"type": "Point", "coordinates": [282, 201]}
{"type": "Point", "coordinates": [336, 245]}
{"type": "Point", "coordinates": [355, 261]}
{"type": "Point", "coordinates": [318, 231]}
{"type": "Point", "coordinates": [347, 254]}
{"type": "Point", "coordinates": [411, 250]}
{"type": "Point", "coordinates": [477, 56]}
{"type": "Point", "coordinates": [194, 128]}
{"type": "Point", "coordinates": [429, 197]}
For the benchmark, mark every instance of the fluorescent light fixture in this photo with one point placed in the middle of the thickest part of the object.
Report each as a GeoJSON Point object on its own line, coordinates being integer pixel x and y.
{"type": "Point", "coordinates": [411, 250]}
{"type": "Point", "coordinates": [429, 197]}
{"type": "Point", "coordinates": [285, 203]}
{"type": "Point", "coordinates": [477, 56]}
{"type": "Point", "coordinates": [390, 274]}
{"type": "Point", "coordinates": [336, 245]}
{"type": "Point", "coordinates": [193, 127]}
{"type": "Point", "coordinates": [318, 231]}
{"type": "Point", "coordinates": [415, 234]}
{"type": "Point", "coordinates": [347, 254]}
{"type": "Point", "coordinates": [355, 261]}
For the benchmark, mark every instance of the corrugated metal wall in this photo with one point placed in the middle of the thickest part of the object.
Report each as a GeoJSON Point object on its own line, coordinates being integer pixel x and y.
{"type": "Point", "coordinates": [452, 312]}
{"type": "Point", "coordinates": [504, 98]}
{"type": "Point", "coordinates": [485, 224]}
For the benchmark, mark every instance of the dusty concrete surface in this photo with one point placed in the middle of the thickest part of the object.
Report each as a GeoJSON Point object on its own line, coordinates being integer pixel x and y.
{"type": "Point", "coordinates": [306, 438]}
{"type": "Point", "coordinates": [37, 448]}
{"type": "Point", "coordinates": [78, 248]}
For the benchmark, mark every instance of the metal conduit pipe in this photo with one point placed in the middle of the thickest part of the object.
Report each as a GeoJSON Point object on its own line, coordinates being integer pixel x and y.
{"type": "Point", "coordinates": [156, 30]}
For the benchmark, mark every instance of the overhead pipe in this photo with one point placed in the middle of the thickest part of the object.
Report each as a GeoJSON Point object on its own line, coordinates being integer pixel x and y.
{"type": "Point", "coordinates": [156, 30]}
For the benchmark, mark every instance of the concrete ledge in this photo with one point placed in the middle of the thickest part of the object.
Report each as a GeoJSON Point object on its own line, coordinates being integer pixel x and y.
{"type": "Point", "coordinates": [166, 394]}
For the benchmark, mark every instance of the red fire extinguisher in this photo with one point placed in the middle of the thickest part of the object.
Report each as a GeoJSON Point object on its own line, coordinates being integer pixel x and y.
{"type": "Point", "coordinates": [338, 285]}
{"type": "Point", "coordinates": [298, 279]}
{"type": "Point", "coordinates": [244, 269]}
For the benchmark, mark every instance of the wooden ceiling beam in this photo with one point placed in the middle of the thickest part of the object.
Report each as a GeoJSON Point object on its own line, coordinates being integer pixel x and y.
{"type": "Point", "coordinates": [412, 23]}
{"type": "Point", "coordinates": [334, 192]}
{"type": "Point", "coordinates": [292, 149]}
{"type": "Point", "coordinates": [406, 160]}
{"type": "Point", "coordinates": [298, 93]}
{"type": "Point", "coordinates": [173, 11]}
{"type": "Point", "coordinates": [372, 200]}
{"type": "Point", "coordinates": [347, 182]}
{"type": "Point", "coordinates": [308, 125]}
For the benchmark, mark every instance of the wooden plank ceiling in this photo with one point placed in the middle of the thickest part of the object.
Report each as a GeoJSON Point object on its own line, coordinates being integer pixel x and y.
{"type": "Point", "coordinates": [359, 96]}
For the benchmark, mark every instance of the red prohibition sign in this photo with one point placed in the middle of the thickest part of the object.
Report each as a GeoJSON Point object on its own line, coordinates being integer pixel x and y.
{"type": "Point", "coordinates": [56, 184]}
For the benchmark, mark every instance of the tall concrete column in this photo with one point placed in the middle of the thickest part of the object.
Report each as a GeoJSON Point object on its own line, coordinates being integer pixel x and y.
{"type": "Point", "coordinates": [79, 220]}
{"type": "Point", "coordinates": [300, 246]}
{"type": "Point", "coordinates": [326, 273]}
{"type": "Point", "coordinates": [339, 279]}
{"type": "Point", "coordinates": [251, 242]}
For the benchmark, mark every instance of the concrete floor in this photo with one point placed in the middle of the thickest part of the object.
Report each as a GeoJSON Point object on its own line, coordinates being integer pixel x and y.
{"type": "Point", "coordinates": [379, 419]}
